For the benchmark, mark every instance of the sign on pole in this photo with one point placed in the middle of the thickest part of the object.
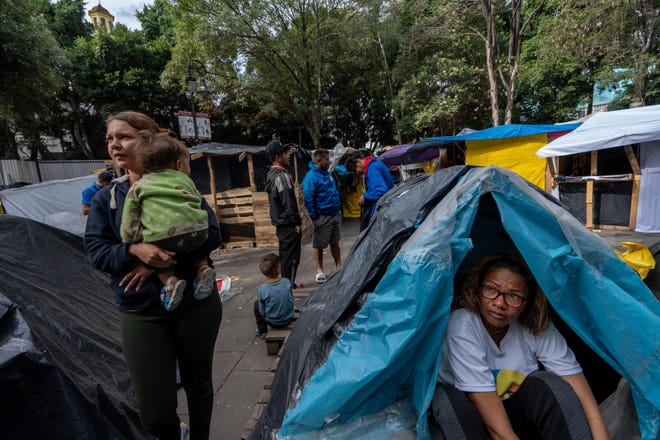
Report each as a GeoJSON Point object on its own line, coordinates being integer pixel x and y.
{"type": "Point", "coordinates": [188, 129]}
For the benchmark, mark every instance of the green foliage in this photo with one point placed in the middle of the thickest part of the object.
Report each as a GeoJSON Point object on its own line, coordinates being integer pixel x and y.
{"type": "Point", "coordinates": [360, 72]}
{"type": "Point", "coordinates": [68, 21]}
{"type": "Point", "coordinates": [31, 62]}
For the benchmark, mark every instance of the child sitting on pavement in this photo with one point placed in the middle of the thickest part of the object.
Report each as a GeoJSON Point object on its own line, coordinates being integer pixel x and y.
{"type": "Point", "coordinates": [164, 208]}
{"type": "Point", "coordinates": [274, 305]}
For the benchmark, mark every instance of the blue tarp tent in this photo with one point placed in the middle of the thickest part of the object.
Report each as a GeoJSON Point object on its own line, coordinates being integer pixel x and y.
{"type": "Point", "coordinates": [499, 132]}
{"type": "Point", "coordinates": [362, 359]}
{"type": "Point", "coordinates": [511, 146]}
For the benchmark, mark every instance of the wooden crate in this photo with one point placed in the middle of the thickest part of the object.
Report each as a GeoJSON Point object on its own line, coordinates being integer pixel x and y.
{"type": "Point", "coordinates": [243, 206]}
{"type": "Point", "coordinates": [263, 229]}
{"type": "Point", "coordinates": [235, 206]}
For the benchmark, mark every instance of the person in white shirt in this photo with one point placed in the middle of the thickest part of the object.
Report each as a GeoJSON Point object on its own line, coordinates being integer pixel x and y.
{"type": "Point", "coordinates": [490, 384]}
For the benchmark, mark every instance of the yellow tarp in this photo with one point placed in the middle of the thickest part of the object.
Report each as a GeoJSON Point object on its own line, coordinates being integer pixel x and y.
{"type": "Point", "coordinates": [349, 202]}
{"type": "Point", "coordinates": [638, 256]}
{"type": "Point", "coordinates": [516, 154]}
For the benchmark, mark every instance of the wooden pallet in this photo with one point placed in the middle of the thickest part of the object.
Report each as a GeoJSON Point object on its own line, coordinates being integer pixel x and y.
{"type": "Point", "coordinates": [239, 243]}
{"type": "Point", "coordinates": [264, 231]}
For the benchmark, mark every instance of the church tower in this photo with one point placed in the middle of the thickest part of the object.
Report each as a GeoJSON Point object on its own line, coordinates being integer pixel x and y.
{"type": "Point", "coordinates": [101, 18]}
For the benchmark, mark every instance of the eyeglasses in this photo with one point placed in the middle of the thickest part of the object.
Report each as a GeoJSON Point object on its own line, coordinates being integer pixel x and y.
{"type": "Point", "coordinates": [510, 299]}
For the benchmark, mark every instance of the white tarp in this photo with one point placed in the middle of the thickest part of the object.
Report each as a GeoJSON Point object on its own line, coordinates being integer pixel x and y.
{"type": "Point", "coordinates": [617, 129]}
{"type": "Point", "coordinates": [608, 130]}
{"type": "Point", "coordinates": [648, 211]}
{"type": "Point", "coordinates": [56, 202]}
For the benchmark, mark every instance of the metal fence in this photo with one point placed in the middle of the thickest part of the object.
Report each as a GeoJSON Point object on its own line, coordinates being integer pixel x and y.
{"type": "Point", "coordinates": [30, 171]}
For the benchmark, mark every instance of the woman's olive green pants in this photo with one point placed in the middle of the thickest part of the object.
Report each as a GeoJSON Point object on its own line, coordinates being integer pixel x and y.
{"type": "Point", "coordinates": [153, 342]}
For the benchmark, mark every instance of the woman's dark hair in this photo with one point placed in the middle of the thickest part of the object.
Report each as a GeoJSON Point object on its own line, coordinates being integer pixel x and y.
{"type": "Point", "coordinates": [535, 316]}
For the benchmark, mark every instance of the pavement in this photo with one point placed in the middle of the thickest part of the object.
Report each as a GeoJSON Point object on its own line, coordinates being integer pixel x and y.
{"type": "Point", "coordinates": [241, 363]}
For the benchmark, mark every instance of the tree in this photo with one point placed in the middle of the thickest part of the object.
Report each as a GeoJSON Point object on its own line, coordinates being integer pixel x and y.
{"type": "Point", "coordinates": [31, 61]}
{"type": "Point", "coordinates": [502, 27]}
{"type": "Point", "coordinates": [616, 43]}
{"type": "Point", "coordinates": [281, 51]}
{"type": "Point", "coordinates": [122, 71]}
{"type": "Point", "coordinates": [441, 79]}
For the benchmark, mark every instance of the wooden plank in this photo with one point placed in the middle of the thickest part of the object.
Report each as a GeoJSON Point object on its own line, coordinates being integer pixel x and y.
{"type": "Point", "coordinates": [590, 204]}
{"type": "Point", "coordinates": [239, 244]}
{"type": "Point", "coordinates": [253, 186]}
{"type": "Point", "coordinates": [612, 227]}
{"type": "Point", "coordinates": [550, 174]}
{"type": "Point", "coordinates": [634, 201]}
{"type": "Point", "coordinates": [634, 164]}
{"type": "Point", "coordinates": [234, 201]}
{"type": "Point", "coordinates": [260, 196]}
{"type": "Point", "coordinates": [263, 223]}
{"type": "Point", "coordinates": [265, 229]}
{"type": "Point", "coordinates": [236, 210]}
{"type": "Point", "coordinates": [267, 244]}
{"type": "Point", "coordinates": [236, 192]}
{"type": "Point", "coordinates": [590, 191]}
{"type": "Point", "coordinates": [214, 206]}
{"type": "Point", "coordinates": [237, 220]}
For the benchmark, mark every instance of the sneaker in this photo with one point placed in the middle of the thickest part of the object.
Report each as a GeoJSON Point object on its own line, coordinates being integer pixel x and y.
{"type": "Point", "coordinates": [183, 429]}
{"type": "Point", "coordinates": [297, 285]}
{"type": "Point", "coordinates": [204, 283]}
{"type": "Point", "coordinates": [320, 277]}
{"type": "Point", "coordinates": [260, 334]}
{"type": "Point", "coordinates": [175, 288]}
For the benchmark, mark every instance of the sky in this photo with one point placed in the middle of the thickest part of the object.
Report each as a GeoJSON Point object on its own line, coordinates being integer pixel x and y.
{"type": "Point", "coordinates": [123, 10]}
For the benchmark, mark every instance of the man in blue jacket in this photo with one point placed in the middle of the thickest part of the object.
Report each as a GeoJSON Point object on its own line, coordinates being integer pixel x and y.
{"type": "Point", "coordinates": [324, 207]}
{"type": "Point", "coordinates": [377, 182]}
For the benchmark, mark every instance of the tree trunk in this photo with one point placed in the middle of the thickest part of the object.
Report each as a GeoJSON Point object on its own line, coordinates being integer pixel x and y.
{"type": "Point", "coordinates": [390, 91]}
{"type": "Point", "coordinates": [491, 60]}
{"type": "Point", "coordinates": [650, 13]}
{"type": "Point", "coordinates": [513, 61]}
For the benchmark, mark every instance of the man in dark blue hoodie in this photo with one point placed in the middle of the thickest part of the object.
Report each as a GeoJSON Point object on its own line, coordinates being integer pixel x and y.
{"type": "Point", "coordinates": [284, 213]}
{"type": "Point", "coordinates": [324, 208]}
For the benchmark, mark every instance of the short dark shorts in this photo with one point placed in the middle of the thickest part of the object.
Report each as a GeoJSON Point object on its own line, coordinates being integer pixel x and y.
{"type": "Point", "coordinates": [327, 231]}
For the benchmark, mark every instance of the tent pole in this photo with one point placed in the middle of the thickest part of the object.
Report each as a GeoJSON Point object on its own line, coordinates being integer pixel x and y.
{"type": "Point", "coordinates": [634, 198]}
{"type": "Point", "coordinates": [550, 174]}
{"type": "Point", "coordinates": [590, 190]}
{"type": "Point", "coordinates": [209, 163]}
{"type": "Point", "coordinates": [253, 186]}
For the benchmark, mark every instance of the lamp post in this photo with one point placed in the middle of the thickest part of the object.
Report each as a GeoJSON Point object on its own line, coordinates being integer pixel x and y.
{"type": "Point", "coordinates": [196, 81]}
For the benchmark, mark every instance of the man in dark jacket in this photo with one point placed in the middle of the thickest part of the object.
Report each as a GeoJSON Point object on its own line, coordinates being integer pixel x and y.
{"type": "Point", "coordinates": [324, 207]}
{"type": "Point", "coordinates": [284, 213]}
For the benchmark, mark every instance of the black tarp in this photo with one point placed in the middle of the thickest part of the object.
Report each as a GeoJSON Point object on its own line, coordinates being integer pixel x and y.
{"type": "Point", "coordinates": [62, 371]}
{"type": "Point", "coordinates": [611, 201]}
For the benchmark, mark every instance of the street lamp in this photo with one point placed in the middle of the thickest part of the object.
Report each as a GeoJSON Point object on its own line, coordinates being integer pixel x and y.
{"type": "Point", "coordinates": [196, 80]}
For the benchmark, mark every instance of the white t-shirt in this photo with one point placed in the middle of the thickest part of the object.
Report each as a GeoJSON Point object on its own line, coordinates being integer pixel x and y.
{"type": "Point", "coordinates": [472, 362]}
